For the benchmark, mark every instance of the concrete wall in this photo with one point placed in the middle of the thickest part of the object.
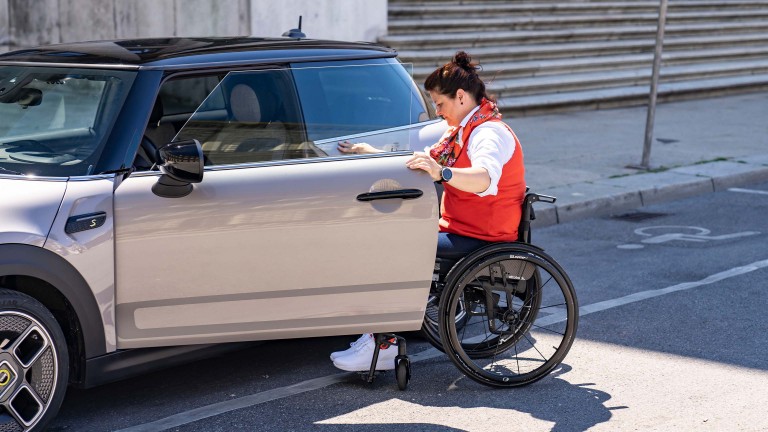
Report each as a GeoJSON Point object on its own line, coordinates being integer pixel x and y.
{"type": "Point", "coordinates": [351, 20]}
{"type": "Point", "coordinates": [4, 24]}
{"type": "Point", "coordinates": [26, 23]}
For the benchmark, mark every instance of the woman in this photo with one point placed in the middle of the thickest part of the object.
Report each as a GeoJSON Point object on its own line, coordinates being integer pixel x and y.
{"type": "Point", "coordinates": [480, 164]}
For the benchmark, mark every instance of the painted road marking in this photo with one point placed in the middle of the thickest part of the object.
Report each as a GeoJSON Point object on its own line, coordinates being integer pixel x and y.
{"type": "Point", "coordinates": [752, 191]}
{"type": "Point", "coordinates": [212, 410]}
{"type": "Point", "coordinates": [697, 234]}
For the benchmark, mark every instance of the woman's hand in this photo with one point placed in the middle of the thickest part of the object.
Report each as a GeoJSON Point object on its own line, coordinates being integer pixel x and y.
{"type": "Point", "coordinates": [357, 148]}
{"type": "Point", "coordinates": [471, 179]}
{"type": "Point", "coordinates": [425, 162]}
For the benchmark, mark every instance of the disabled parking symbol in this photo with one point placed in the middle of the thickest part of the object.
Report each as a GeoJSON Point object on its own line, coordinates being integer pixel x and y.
{"type": "Point", "coordinates": [672, 233]}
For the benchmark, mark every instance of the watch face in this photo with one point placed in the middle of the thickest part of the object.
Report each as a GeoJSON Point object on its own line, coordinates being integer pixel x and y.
{"type": "Point", "coordinates": [446, 173]}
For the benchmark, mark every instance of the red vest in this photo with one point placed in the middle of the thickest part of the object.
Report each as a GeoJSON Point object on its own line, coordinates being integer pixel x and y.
{"type": "Point", "coordinates": [494, 217]}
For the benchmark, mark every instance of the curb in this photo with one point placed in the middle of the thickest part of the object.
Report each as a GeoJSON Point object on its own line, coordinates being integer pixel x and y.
{"type": "Point", "coordinates": [612, 196]}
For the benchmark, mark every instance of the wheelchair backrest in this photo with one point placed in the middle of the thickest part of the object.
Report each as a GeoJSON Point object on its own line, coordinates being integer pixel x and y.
{"type": "Point", "coordinates": [524, 229]}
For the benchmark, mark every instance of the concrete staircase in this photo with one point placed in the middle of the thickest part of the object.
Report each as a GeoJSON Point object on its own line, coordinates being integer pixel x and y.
{"type": "Point", "coordinates": [549, 56]}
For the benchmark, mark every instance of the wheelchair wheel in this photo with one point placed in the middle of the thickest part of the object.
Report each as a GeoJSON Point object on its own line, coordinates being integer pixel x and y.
{"type": "Point", "coordinates": [402, 372]}
{"type": "Point", "coordinates": [429, 327]}
{"type": "Point", "coordinates": [522, 315]}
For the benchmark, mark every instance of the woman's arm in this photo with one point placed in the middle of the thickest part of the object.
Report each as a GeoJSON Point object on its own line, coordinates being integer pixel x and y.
{"type": "Point", "coordinates": [357, 148]}
{"type": "Point", "coordinates": [491, 146]}
{"type": "Point", "coordinates": [472, 179]}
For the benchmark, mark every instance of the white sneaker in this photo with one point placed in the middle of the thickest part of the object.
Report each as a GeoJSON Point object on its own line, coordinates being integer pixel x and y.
{"type": "Point", "coordinates": [359, 359]}
{"type": "Point", "coordinates": [352, 346]}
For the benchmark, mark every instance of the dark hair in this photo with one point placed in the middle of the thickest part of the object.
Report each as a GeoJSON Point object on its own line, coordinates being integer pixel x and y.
{"type": "Point", "coordinates": [459, 73]}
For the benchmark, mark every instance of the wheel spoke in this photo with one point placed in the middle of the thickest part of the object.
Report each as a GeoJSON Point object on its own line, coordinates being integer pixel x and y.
{"type": "Point", "coordinates": [464, 330]}
{"type": "Point", "coordinates": [549, 330]}
{"type": "Point", "coordinates": [548, 281]}
{"type": "Point", "coordinates": [26, 406]}
{"type": "Point", "coordinates": [552, 306]}
{"type": "Point", "coordinates": [29, 346]}
{"type": "Point", "coordinates": [533, 345]}
{"type": "Point", "coordinates": [499, 347]}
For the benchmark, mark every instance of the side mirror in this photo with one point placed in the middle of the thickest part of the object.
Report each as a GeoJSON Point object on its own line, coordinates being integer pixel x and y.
{"type": "Point", "coordinates": [182, 164]}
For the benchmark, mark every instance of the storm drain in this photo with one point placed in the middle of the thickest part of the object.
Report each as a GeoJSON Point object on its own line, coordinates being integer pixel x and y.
{"type": "Point", "coordinates": [638, 216]}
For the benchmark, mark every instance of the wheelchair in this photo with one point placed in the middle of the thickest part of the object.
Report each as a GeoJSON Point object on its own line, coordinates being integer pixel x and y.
{"type": "Point", "coordinates": [505, 314]}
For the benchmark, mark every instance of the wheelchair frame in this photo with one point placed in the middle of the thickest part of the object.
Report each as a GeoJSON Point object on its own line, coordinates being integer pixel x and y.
{"type": "Point", "coordinates": [497, 281]}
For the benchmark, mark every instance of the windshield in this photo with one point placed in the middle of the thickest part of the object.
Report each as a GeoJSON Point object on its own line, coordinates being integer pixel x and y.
{"type": "Point", "coordinates": [55, 120]}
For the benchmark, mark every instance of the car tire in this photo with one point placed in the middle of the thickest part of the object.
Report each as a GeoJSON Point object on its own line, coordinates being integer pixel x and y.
{"type": "Point", "coordinates": [34, 363]}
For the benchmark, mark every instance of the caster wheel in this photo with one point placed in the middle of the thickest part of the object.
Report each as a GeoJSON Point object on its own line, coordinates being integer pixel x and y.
{"type": "Point", "coordinates": [402, 371]}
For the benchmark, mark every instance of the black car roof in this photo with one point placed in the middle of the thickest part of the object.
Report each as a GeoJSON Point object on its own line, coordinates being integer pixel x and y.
{"type": "Point", "coordinates": [172, 53]}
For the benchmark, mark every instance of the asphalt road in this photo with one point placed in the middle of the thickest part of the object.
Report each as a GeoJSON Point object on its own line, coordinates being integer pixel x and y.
{"type": "Point", "coordinates": [673, 335]}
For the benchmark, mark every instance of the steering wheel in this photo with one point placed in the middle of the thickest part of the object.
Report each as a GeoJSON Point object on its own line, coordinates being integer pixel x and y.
{"type": "Point", "coordinates": [149, 149]}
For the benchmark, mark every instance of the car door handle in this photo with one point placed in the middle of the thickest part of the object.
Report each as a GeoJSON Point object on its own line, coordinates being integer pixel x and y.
{"type": "Point", "coordinates": [400, 193]}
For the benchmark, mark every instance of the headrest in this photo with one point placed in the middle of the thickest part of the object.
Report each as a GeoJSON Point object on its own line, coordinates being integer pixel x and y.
{"type": "Point", "coordinates": [245, 104]}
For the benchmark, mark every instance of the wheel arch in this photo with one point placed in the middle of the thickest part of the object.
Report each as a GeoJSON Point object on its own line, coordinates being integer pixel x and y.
{"type": "Point", "coordinates": [56, 284]}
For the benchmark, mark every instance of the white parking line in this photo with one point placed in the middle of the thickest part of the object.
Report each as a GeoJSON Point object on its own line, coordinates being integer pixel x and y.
{"type": "Point", "coordinates": [752, 191]}
{"type": "Point", "coordinates": [206, 411]}
{"type": "Point", "coordinates": [643, 295]}
{"type": "Point", "coordinates": [212, 410]}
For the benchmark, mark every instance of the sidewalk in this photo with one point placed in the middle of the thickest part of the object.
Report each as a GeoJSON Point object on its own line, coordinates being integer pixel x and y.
{"type": "Point", "coordinates": [699, 146]}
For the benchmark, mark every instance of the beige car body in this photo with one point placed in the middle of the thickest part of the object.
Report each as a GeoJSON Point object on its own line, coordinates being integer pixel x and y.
{"type": "Point", "coordinates": [274, 250]}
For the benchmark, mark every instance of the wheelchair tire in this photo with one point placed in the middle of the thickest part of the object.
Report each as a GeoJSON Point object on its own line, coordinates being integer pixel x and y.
{"type": "Point", "coordinates": [522, 315]}
{"type": "Point", "coordinates": [429, 327]}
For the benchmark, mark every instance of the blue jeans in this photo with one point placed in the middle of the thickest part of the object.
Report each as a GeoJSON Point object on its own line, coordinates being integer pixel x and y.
{"type": "Point", "coordinates": [454, 246]}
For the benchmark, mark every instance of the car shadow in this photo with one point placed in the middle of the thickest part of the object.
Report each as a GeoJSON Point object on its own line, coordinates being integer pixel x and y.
{"type": "Point", "coordinates": [437, 389]}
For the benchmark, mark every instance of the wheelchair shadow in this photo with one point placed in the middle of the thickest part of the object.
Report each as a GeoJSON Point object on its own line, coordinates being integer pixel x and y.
{"type": "Point", "coordinates": [560, 405]}
{"type": "Point", "coordinates": [442, 403]}
{"type": "Point", "coordinates": [579, 406]}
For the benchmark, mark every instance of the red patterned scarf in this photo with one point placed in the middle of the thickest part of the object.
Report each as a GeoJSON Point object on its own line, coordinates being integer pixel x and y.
{"type": "Point", "coordinates": [446, 151]}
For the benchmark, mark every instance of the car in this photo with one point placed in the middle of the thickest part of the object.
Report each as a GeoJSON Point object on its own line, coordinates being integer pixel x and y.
{"type": "Point", "coordinates": [162, 197]}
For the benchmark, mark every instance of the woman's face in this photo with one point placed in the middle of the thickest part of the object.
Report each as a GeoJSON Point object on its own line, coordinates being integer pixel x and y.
{"type": "Point", "coordinates": [452, 109]}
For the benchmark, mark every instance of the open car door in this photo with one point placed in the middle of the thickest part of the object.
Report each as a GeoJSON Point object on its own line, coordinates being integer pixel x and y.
{"type": "Point", "coordinates": [284, 237]}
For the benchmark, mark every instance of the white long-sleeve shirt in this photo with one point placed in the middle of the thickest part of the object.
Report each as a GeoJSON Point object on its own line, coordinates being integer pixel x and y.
{"type": "Point", "coordinates": [491, 146]}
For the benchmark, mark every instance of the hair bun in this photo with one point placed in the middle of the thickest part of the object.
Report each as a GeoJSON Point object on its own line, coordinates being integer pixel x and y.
{"type": "Point", "coordinates": [464, 61]}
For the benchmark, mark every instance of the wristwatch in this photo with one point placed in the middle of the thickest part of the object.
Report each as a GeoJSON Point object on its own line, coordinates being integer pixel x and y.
{"type": "Point", "coordinates": [446, 174]}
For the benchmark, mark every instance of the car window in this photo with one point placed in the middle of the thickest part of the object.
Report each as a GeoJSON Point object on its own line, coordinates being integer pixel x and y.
{"type": "Point", "coordinates": [251, 116]}
{"type": "Point", "coordinates": [184, 94]}
{"type": "Point", "coordinates": [178, 98]}
{"type": "Point", "coordinates": [55, 120]}
{"type": "Point", "coordinates": [304, 111]}
{"type": "Point", "coordinates": [339, 99]}
{"type": "Point", "coordinates": [375, 102]}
